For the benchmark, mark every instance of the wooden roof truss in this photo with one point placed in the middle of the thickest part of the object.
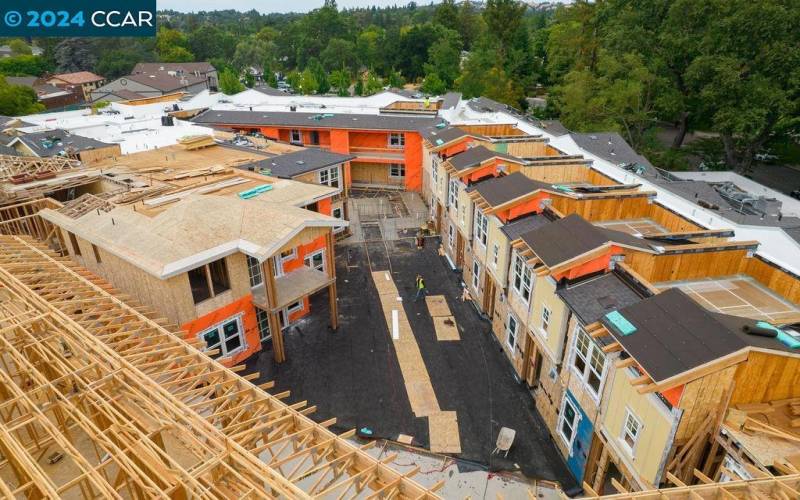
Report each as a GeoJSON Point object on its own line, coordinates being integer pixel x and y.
{"type": "Point", "coordinates": [138, 412]}
{"type": "Point", "coordinates": [13, 166]}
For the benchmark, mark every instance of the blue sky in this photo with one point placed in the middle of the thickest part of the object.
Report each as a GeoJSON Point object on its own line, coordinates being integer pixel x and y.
{"type": "Point", "coordinates": [271, 5]}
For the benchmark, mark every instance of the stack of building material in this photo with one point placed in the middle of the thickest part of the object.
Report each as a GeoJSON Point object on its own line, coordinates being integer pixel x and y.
{"type": "Point", "coordinates": [192, 142]}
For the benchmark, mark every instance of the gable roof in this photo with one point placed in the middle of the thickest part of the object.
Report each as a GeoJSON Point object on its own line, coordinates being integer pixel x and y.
{"type": "Point", "coordinates": [572, 236]}
{"type": "Point", "coordinates": [502, 189]}
{"type": "Point", "coordinates": [674, 334]}
{"type": "Point", "coordinates": [52, 142]}
{"type": "Point", "coordinates": [438, 135]}
{"type": "Point", "coordinates": [473, 157]}
{"type": "Point", "coordinates": [163, 81]}
{"type": "Point", "coordinates": [314, 120]}
{"type": "Point", "coordinates": [79, 77]}
{"type": "Point", "coordinates": [298, 162]}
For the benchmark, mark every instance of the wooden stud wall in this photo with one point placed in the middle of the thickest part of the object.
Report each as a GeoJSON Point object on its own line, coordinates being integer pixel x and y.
{"type": "Point", "coordinates": [527, 149]}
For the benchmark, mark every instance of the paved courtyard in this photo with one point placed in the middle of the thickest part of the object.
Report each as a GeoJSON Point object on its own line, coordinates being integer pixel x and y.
{"type": "Point", "coordinates": [353, 374]}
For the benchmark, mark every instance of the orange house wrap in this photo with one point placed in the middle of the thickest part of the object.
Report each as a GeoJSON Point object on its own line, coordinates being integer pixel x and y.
{"type": "Point", "coordinates": [252, 337]}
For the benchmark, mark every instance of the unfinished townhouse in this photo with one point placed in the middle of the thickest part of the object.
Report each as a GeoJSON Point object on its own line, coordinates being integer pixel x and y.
{"type": "Point", "coordinates": [387, 148]}
{"type": "Point", "coordinates": [314, 166]}
{"type": "Point", "coordinates": [602, 245]}
{"type": "Point", "coordinates": [182, 229]}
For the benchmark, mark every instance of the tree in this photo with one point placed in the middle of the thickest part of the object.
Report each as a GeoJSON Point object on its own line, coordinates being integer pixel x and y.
{"type": "Point", "coordinates": [172, 46]}
{"type": "Point", "coordinates": [17, 100]}
{"type": "Point", "coordinates": [446, 14]}
{"type": "Point", "coordinates": [621, 96]}
{"type": "Point", "coordinates": [340, 80]}
{"type": "Point", "coordinates": [434, 85]}
{"type": "Point", "coordinates": [394, 79]}
{"type": "Point", "coordinates": [249, 80]}
{"type": "Point", "coordinates": [76, 54]}
{"type": "Point", "coordinates": [253, 52]}
{"type": "Point", "coordinates": [339, 54]}
{"type": "Point", "coordinates": [373, 84]}
{"type": "Point", "coordinates": [118, 62]}
{"type": "Point", "coordinates": [470, 24]}
{"type": "Point", "coordinates": [444, 60]}
{"type": "Point", "coordinates": [748, 78]}
{"type": "Point", "coordinates": [229, 82]}
{"type": "Point", "coordinates": [370, 46]}
{"type": "Point", "coordinates": [320, 76]}
{"type": "Point", "coordinates": [308, 82]}
{"type": "Point", "coordinates": [208, 42]}
{"type": "Point", "coordinates": [19, 48]}
{"type": "Point", "coordinates": [24, 65]}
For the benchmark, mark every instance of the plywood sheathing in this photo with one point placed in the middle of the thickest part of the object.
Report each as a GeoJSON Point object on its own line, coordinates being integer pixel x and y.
{"type": "Point", "coordinates": [437, 305]}
{"type": "Point", "coordinates": [444, 437]}
{"type": "Point", "coordinates": [443, 425]}
{"type": "Point", "coordinates": [446, 328]}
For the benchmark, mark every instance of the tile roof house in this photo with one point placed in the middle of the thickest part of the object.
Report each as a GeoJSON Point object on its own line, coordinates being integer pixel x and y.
{"type": "Point", "coordinates": [157, 79]}
{"type": "Point", "coordinates": [81, 82]}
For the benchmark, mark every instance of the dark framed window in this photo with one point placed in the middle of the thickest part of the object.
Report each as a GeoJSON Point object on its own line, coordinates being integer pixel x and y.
{"type": "Point", "coordinates": [209, 280]}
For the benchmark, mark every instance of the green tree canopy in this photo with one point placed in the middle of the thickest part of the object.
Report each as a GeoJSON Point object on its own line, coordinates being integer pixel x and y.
{"type": "Point", "coordinates": [229, 82]}
{"type": "Point", "coordinates": [17, 100]}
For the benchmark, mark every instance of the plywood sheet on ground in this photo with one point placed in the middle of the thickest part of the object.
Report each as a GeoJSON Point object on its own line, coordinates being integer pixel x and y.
{"type": "Point", "coordinates": [412, 366]}
{"type": "Point", "coordinates": [437, 305]}
{"type": "Point", "coordinates": [443, 432]}
{"type": "Point", "coordinates": [446, 328]}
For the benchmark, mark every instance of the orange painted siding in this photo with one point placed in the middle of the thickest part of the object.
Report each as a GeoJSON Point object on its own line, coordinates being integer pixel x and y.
{"type": "Point", "coordinates": [271, 133]}
{"type": "Point", "coordinates": [252, 337]}
{"type": "Point", "coordinates": [340, 141]}
{"type": "Point", "coordinates": [532, 206]}
{"type": "Point", "coordinates": [458, 147]}
{"type": "Point", "coordinates": [324, 206]}
{"type": "Point", "coordinates": [413, 160]}
{"type": "Point", "coordinates": [370, 140]}
{"type": "Point", "coordinates": [600, 263]}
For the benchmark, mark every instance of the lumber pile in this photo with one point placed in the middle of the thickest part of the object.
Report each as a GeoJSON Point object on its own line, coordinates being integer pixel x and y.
{"type": "Point", "coordinates": [192, 142]}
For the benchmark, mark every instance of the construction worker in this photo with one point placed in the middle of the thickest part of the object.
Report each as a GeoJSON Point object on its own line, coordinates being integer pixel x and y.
{"type": "Point", "coordinates": [421, 290]}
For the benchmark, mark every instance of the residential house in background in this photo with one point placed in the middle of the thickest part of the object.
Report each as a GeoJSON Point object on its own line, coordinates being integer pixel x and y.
{"type": "Point", "coordinates": [83, 83]}
{"type": "Point", "coordinates": [50, 96]}
{"type": "Point", "coordinates": [158, 79]}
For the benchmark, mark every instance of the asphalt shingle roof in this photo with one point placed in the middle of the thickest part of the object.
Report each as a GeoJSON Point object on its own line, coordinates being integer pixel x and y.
{"type": "Point", "coordinates": [475, 156]}
{"type": "Point", "coordinates": [314, 120]}
{"type": "Point", "coordinates": [499, 190]}
{"type": "Point", "coordinates": [299, 162]}
{"type": "Point", "coordinates": [52, 142]}
{"type": "Point", "coordinates": [592, 298]}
